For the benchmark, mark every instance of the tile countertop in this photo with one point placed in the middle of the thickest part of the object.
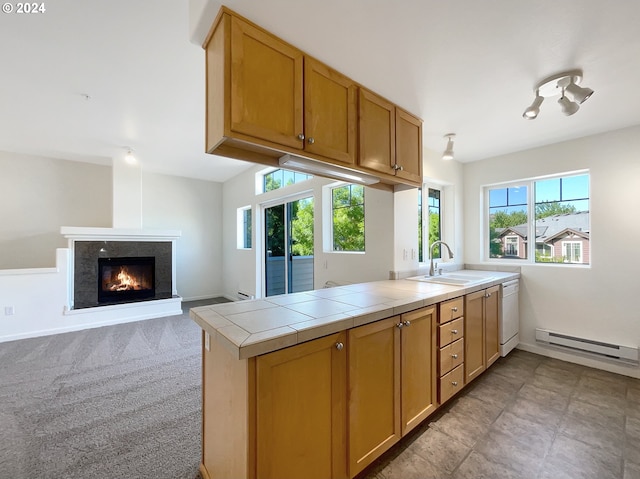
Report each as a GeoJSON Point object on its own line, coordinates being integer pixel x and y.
{"type": "Point", "coordinates": [258, 326]}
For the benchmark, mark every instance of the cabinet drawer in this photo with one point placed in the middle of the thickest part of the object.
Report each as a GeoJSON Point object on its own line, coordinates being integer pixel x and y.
{"type": "Point", "coordinates": [451, 356]}
{"type": "Point", "coordinates": [451, 331]}
{"type": "Point", "coordinates": [451, 383]}
{"type": "Point", "coordinates": [452, 309]}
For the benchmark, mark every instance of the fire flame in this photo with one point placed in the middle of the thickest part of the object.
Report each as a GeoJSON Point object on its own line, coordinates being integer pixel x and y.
{"type": "Point", "coordinates": [126, 282]}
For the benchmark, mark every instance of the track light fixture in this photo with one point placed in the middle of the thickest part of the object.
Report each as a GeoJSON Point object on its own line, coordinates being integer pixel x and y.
{"type": "Point", "coordinates": [448, 152]}
{"type": "Point", "coordinates": [560, 84]}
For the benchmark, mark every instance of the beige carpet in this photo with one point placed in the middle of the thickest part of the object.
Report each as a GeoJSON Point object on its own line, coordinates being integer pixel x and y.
{"type": "Point", "coordinates": [120, 401]}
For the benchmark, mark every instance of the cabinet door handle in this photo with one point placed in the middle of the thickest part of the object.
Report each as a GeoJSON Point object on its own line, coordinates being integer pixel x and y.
{"type": "Point", "coordinates": [488, 295]}
{"type": "Point", "coordinates": [454, 356]}
{"type": "Point", "coordinates": [454, 331]}
{"type": "Point", "coordinates": [339, 346]}
{"type": "Point", "coordinates": [400, 325]}
{"type": "Point", "coordinates": [397, 167]}
{"type": "Point", "coordinates": [301, 136]}
{"type": "Point", "coordinates": [454, 309]}
{"type": "Point", "coordinates": [407, 323]}
{"type": "Point", "coordinates": [311, 141]}
{"type": "Point", "coordinates": [454, 383]}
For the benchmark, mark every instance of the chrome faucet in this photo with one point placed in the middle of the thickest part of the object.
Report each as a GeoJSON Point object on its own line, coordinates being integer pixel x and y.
{"type": "Point", "coordinates": [431, 254]}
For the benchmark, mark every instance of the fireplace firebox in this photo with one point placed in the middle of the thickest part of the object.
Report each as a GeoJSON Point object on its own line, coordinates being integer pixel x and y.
{"type": "Point", "coordinates": [124, 279]}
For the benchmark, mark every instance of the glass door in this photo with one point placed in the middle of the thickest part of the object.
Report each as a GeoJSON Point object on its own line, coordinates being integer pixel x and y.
{"type": "Point", "coordinates": [289, 247]}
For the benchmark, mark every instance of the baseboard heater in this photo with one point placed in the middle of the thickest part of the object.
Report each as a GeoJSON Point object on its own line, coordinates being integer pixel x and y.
{"type": "Point", "coordinates": [242, 295]}
{"type": "Point", "coordinates": [610, 351]}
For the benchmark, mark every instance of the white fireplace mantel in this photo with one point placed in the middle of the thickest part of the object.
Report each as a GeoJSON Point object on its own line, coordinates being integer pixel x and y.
{"type": "Point", "coordinates": [80, 233]}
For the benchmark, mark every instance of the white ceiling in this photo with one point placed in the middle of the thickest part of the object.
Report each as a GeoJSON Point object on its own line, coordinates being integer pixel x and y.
{"type": "Point", "coordinates": [463, 66]}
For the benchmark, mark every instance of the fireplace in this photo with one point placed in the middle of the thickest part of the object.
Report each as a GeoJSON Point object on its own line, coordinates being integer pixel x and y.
{"type": "Point", "coordinates": [126, 279]}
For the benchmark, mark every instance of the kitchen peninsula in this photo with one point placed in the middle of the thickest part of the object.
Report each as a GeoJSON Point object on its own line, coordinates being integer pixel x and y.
{"type": "Point", "coordinates": [321, 383]}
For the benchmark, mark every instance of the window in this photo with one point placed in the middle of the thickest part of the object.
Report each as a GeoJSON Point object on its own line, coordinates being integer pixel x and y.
{"type": "Point", "coordinates": [508, 220]}
{"type": "Point", "coordinates": [431, 217]}
{"type": "Point", "coordinates": [280, 178]}
{"type": "Point", "coordinates": [244, 228]}
{"type": "Point", "coordinates": [572, 251]}
{"type": "Point", "coordinates": [347, 206]}
{"type": "Point", "coordinates": [556, 209]}
{"type": "Point", "coordinates": [511, 246]}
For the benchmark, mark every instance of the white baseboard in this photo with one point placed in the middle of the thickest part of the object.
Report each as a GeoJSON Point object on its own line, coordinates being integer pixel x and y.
{"type": "Point", "coordinates": [576, 358]}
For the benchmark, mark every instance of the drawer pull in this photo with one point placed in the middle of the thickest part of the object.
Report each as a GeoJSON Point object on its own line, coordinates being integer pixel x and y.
{"type": "Point", "coordinates": [454, 383]}
{"type": "Point", "coordinates": [339, 346]}
{"type": "Point", "coordinates": [454, 309]}
{"type": "Point", "coordinates": [454, 356]}
{"type": "Point", "coordinates": [454, 331]}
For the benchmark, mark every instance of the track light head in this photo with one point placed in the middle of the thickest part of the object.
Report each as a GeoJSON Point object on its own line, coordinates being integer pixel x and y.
{"type": "Point", "coordinates": [532, 112]}
{"type": "Point", "coordinates": [579, 94]}
{"type": "Point", "coordinates": [448, 152]}
{"type": "Point", "coordinates": [568, 107]}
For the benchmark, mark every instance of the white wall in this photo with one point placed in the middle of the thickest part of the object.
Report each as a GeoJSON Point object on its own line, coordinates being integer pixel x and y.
{"type": "Point", "coordinates": [195, 208]}
{"type": "Point", "coordinates": [595, 302]}
{"type": "Point", "coordinates": [41, 194]}
{"type": "Point", "coordinates": [239, 266]}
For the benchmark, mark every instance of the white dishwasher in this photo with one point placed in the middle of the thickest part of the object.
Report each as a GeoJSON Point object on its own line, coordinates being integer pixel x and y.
{"type": "Point", "coordinates": [510, 319]}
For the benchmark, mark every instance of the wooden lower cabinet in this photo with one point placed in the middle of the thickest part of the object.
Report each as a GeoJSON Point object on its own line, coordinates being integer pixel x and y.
{"type": "Point", "coordinates": [392, 382]}
{"type": "Point", "coordinates": [418, 358]}
{"type": "Point", "coordinates": [492, 325]}
{"type": "Point", "coordinates": [482, 343]}
{"type": "Point", "coordinates": [374, 391]}
{"type": "Point", "coordinates": [280, 415]}
{"type": "Point", "coordinates": [301, 411]}
{"type": "Point", "coordinates": [329, 407]}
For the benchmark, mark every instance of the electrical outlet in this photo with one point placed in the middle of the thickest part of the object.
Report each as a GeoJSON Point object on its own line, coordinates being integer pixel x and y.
{"type": "Point", "coordinates": [9, 311]}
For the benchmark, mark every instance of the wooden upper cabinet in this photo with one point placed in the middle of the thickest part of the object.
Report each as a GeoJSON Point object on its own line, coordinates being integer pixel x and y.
{"type": "Point", "coordinates": [265, 98]}
{"type": "Point", "coordinates": [266, 86]}
{"type": "Point", "coordinates": [301, 395]}
{"type": "Point", "coordinates": [377, 132]}
{"type": "Point", "coordinates": [408, 146]}
{"type": "Point", "coordinates": [330, 112]}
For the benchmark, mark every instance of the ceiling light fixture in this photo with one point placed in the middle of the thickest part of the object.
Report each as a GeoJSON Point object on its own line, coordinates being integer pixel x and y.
{"type": "Point", "coordinates": [129, 158]}
{"type": "Point", "coordinates": [307, 165]}
{"type": "Point", "coordinates": [448, 152]}
{"type": "Point", "coordinates": [559, 84]}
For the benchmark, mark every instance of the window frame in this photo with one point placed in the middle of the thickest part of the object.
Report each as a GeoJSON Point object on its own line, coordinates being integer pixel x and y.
{"type": "Point", "coordinates": [531, 248]}
{"type": "Point", "coordinates": [241, 225]}
{"type": "Point", "coordinates": [425, 221]}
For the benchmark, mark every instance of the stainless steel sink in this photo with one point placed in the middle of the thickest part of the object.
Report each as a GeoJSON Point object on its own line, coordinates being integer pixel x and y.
{"type": "Point", "coordinates": [458, 278]}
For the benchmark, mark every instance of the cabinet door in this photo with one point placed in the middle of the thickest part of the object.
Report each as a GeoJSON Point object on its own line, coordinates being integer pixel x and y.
{"type": "Point", "coordinates": [266, 86]}
{"type": "Point", "coordinates": [329, 112]}
{"type": "Point", "coordinates": [492, 325]}
{"type": "Point", "coordinates": [474, 361]}
{"type": "Point", "coordinates": [374, 391]}
{"type": "Point", "coordinates": [301, 410]}
{"type": "Point", "coordinates": [377, 133]}
{"type": "Point", "coordinates": [418, 366]}
{"type": "Point", "coordinates": [408, 146]}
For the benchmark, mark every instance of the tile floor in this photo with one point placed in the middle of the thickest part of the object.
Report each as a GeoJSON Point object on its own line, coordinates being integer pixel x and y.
{"type": "Point", "coordinates": [528, 417]}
